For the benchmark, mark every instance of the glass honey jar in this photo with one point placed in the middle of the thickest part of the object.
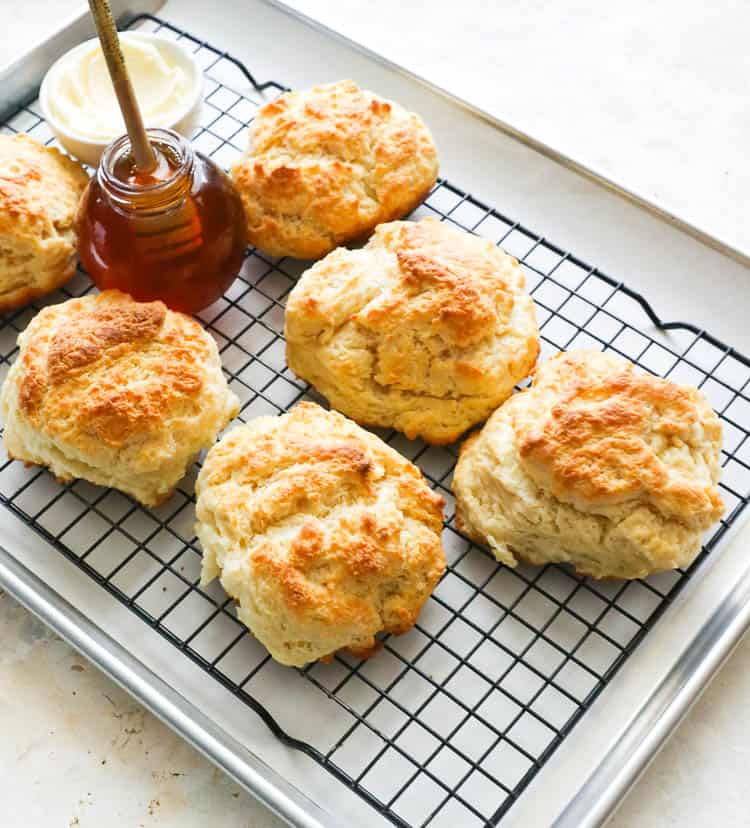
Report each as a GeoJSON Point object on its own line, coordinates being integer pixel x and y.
{"type": "Point", "coordinates": [176, 233]}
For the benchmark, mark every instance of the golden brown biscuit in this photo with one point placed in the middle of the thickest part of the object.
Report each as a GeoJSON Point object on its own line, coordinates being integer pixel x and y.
{"type": "Point", "coordinates": [326, 165]}
{"type": "Point", "coordinates": [426, 329]}
{"type": "Point", "coordinates": [117, 392]}
{"type": "Point", "coordinates": [323, 534]}
{"type": "Point", "coordinates": [596, 465]}
{"type": "Point", "coordinates": [39, 193]}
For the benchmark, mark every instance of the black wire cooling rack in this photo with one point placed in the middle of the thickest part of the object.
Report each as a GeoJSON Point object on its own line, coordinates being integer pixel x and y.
{"type": "Point", "coordinates": [449, 723]}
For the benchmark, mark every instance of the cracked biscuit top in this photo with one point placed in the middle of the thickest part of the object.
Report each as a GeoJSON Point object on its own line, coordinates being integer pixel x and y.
{"type": "Point", "coordinates": [323, 534]}
{"type": "Point", "coordinates": [328, 164]}
{"type": "Point", "coordinates": [118, 392]}
{"type": "Point", "coordinates": [612, 470]}
{"type": "Point", "coordinates": [426, 329]}
{"type": "Point", "coordinates": [599, 433]}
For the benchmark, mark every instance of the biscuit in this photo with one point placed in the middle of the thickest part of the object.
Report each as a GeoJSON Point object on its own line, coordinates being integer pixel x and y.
{"type": "Point", "coordinates": [39, 193]}
{"type": "Point", "coordinates": [598, 466]}
{"type": "Point", "coordinates": [323, 534]}
{"type": "Point", "coordinates": [326, 165]}
{"type": "Point", "coordinates": [117, 392]}
{"type": "Point", "coordinates": [426, 329]}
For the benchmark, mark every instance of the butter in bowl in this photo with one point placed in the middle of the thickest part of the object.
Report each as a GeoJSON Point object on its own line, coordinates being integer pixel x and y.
{"type": "Point", "coordinates": [79, 104]}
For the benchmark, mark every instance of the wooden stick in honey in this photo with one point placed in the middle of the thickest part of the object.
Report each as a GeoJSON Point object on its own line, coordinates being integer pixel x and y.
{"type": "Point", "coordinates": [145, 160]}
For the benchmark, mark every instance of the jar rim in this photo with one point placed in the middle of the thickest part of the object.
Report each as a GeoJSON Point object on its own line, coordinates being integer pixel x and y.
{"type": "Point", "coordinates": [117, 148]}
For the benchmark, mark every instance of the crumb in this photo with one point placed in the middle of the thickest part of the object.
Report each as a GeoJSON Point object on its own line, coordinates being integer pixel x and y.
{"type": "Point", "coordinates": [77, 668]}
{"type": "Point", "coordinates": [104, 761]}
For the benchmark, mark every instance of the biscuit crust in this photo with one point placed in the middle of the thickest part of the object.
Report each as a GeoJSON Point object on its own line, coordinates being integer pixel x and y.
{"type": "Point", "coordinates": [426, 329]}
{"type": "Point", "coordinates": [596, 465]}
{"type": "Point", "coordinates": [39, 193]}
{"type": "Point", "coordinates": [323, 534]}
{"type": "Point", "coordinates": [117, 392]}
{"type": "Point", "coordinates": [328, 164]}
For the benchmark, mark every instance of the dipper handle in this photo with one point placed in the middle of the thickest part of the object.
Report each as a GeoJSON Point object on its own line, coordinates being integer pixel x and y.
{"type": "Point", "coordinates": [145, 160]}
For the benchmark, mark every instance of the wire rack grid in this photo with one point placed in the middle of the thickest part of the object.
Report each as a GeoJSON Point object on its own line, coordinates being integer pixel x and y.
{"type": "Point", "coordinates": [449, 723]}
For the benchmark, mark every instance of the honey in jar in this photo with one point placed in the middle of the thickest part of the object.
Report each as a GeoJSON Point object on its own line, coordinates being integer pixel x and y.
{"type": "Point", "coordinates": [176, 233]}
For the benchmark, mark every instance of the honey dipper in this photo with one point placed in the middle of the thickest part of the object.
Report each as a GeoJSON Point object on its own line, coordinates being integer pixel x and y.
{"type": "Point", "coordinates": [179, 231]}
{"type": "Point", "coordinates": [145, 160]}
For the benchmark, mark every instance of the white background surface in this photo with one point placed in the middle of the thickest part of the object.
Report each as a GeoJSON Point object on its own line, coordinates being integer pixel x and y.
{"type": "Point", "coordinates": [654, 97]}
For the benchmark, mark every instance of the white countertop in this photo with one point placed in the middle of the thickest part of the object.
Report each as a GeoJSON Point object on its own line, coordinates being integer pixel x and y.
{"type": "Point", "coordinates": [657, 99]}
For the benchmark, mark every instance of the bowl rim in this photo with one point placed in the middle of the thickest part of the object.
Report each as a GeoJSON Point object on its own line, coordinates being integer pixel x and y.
{"type": "Point", "coordinates": [197, 80]}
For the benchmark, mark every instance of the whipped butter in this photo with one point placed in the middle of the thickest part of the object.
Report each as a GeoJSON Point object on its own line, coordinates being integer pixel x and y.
{"type": "Point", "coordinates": [82, 99]}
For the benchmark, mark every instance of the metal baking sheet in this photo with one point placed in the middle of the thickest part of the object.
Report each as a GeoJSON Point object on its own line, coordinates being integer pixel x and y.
{"type": "Point", "coordinates": [609, 745]}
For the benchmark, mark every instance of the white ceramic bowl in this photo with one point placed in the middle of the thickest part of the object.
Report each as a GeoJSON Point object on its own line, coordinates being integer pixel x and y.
{"type": "Point", "coordinates": [183, 121]}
